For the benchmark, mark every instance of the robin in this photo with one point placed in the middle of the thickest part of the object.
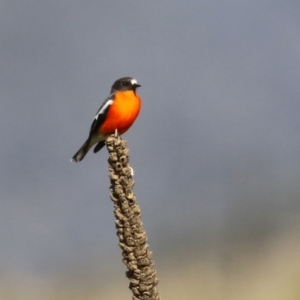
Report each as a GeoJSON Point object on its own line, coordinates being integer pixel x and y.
{"type": "Point", "coordinates": [117, 112]}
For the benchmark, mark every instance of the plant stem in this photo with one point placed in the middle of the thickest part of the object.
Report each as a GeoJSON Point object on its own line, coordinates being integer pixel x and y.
{"type": "Point", "coordinates": [132, 237]}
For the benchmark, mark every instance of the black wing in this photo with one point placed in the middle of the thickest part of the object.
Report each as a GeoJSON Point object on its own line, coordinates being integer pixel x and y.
{"type": "Point", "coordinates": [99, 146]}
{"type": "Point", "coordinates": [102, 113]}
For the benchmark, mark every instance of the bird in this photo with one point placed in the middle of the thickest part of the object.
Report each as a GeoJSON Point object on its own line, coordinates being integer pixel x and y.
{"type": "Point", "coordinates": [117, 113]}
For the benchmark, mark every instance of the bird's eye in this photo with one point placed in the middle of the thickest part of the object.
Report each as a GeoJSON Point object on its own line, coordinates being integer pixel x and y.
{"type": "Point", "coordinates": [125, 83]}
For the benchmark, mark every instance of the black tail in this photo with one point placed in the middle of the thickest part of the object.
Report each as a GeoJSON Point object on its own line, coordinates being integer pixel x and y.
{"type": "Point", "coordinates": [80, 154]}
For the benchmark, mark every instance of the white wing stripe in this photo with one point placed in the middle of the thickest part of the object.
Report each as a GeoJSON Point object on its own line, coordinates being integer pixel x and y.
{"type": "Point", "coordinates": [102, 110]}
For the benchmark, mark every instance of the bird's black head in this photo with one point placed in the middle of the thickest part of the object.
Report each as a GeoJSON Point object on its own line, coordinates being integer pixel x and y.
{"type": "Point", "coordinates": [125, 84]}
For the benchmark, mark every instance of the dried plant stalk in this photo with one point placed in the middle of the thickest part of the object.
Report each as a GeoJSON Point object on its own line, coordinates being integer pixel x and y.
{"type": "Point", "coordinates": [132, 237]}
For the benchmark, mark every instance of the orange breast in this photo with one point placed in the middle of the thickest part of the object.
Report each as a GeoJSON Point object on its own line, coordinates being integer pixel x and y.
{"type": "Point", "coordinates": [122, 113]}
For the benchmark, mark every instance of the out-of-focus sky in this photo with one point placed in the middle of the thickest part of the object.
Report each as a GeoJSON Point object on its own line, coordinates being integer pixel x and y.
{"type": "Point", "coordinates": [215, 149]}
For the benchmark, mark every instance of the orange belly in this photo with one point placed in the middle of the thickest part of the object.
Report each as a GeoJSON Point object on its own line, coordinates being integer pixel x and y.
{"type": "Point", "coordinates": [122, 113]}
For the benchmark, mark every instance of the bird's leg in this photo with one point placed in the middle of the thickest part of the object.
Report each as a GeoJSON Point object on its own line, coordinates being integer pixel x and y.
{"type": "Point", "coordinates": [116, 132]}
{"type": "Point", "coordinates": [131, 171]}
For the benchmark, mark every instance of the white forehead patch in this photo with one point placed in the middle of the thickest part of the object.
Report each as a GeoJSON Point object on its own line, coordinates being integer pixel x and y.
{"type": "Point", "coordinates": [133, 81]}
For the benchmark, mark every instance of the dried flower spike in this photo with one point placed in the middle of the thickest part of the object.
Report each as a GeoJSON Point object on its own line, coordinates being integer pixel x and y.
{"type": "Point", "coordinates": [132, 237]}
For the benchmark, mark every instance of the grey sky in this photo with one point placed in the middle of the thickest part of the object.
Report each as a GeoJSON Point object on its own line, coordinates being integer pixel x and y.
{"type": "Point", "coordinates": [220, 119]}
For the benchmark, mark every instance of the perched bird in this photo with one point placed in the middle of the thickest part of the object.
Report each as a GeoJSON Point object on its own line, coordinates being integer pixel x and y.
{"type": "Point", "coordinates": [117, 112]}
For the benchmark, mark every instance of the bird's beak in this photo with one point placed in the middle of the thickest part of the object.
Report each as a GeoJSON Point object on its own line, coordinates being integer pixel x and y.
{"type": "Point", "coordinates": [134, 83]}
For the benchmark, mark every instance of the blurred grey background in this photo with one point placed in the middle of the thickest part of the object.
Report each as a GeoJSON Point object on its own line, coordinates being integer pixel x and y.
{"type": "Point", "coordinates": [215, 149]}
